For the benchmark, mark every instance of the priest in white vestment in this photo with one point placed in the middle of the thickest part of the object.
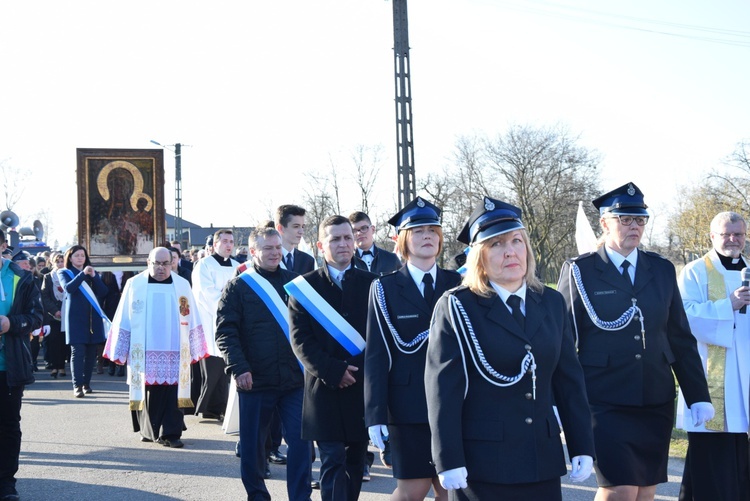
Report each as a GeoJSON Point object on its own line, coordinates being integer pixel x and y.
{"type": "Point", "coordinates": [157, 332]}
{"type": "Point", "coordinates": [717, 466]}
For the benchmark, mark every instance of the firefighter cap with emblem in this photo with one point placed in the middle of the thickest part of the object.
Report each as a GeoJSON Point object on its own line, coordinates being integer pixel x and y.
{"type": "Point", "coordinates": [627, 200]}
{"type": "Point", "coordinates": [418, 212]}
{"type": "Point", "coordinates": [490, 218]}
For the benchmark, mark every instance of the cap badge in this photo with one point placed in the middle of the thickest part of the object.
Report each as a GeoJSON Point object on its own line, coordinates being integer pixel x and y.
{"type": "Point", "coordinates": [488, 205]}
{"type": "Point", "coordinates": [631, 190]}
{"type": "Point", "coordinates": [420, 203]}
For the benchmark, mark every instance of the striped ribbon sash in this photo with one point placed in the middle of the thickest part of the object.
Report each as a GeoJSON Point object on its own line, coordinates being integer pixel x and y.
{"type": "Point", "coordinates": [270, 298]}
{"type": "Point", "coordinates": [91, 297]}
{"type": "Point", "coordinates": [331, 320]}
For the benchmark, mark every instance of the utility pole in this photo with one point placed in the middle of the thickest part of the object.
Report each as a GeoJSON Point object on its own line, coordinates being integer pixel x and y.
{"type": "Point", "coordinates": [407, 187]}
{"type": "Point", "coordinates": [178, 193]}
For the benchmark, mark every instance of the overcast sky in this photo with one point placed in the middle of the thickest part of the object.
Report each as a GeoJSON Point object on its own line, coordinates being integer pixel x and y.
{"type": "Point", "coordinates": [266, 91]}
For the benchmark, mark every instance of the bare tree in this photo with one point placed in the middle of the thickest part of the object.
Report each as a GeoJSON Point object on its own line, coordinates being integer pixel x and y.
{"type": "Point", "coordinates": [367, 163]}
{"type": "Point", "coordinates": [544, 172]}
{"type": "Point", "coordinates": [13, 183]}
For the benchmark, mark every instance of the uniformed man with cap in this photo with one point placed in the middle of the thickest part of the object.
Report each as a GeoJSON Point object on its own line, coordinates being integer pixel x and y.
{"type": "Point", "coordinates": [632, 334]}
{"type": "Point", "coordinates": [398, 322]}
{"type": "Point", "coordinates": [501, 351]}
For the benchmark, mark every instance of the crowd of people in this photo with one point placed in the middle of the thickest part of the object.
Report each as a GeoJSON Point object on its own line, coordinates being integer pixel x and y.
{"type": "Point", "coordinates": [462, 381]}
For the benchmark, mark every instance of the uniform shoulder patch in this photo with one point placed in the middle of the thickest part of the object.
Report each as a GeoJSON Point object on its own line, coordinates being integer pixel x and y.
{"type": "Point", "coordinates": [582, 256]}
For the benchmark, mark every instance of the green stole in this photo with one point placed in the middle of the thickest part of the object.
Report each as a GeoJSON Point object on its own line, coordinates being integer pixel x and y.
{"type": "Point", "coordinates": [717, 355]}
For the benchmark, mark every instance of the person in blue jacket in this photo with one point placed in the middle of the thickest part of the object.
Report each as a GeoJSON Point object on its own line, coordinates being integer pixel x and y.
{"type": "Point", "coordinates": [84, 328]}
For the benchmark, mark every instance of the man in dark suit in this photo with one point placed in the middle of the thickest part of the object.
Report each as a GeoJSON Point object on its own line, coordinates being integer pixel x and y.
{"type": "Point", "coordinates": [369, 256]}
{"type": "Point", "coordinates": [290, 223]}
{"type": "Point", "coordinates": [333, 358]}
{"type": "Point", "coordinates": [177, 265]}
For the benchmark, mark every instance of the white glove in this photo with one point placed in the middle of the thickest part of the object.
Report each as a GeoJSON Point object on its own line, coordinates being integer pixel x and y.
{"type": "Point", "coordinates": [582, 466]}
{"type": "Point", "coordinates": [702, 412]}
{"type": "Point", "coordinates": [46, 329]}
{"type": "Point", "coordinates": [378, 433]}
{"type": "Point", "coordinates": [453, 479]}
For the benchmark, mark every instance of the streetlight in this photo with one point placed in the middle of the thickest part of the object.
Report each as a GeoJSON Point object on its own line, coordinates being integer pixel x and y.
{"type": "Point", "coordinates": [177, 186]}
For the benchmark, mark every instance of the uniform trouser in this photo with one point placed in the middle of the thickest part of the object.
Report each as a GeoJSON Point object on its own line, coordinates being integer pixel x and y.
{"type": "Point", "coordinates": [256, 408]}
{"type": "Point", "coordinates": [341, 468]}
{"type": "Point", "coordinates": [82, 361]}
{"type": "Point", "coordinates": [717, 467]}
{"type": "Point", "coordinates": [10, 433]}
{"type": "Point", "coordinates": [214, 386]}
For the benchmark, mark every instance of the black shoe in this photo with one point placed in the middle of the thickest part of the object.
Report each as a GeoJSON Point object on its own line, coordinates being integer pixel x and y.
{"type": "Point", "coordinates": [267, 473]}
{"type": "Point", "coordinates": [111, 369]}
{"type": "Point", "coordinates": [276, 457]}
{"type": "Point", "coordinates": [237, 449]}
{"type": "Point", "coordinates": [10, 497]}
{"type": "Point", "coordinates": [87, 389]}
{"type": "Point", "coordinates": [211, 415]}
{"type": "Point", "coordinates": [315, 484]}
{"type": "Point", "coordinates": [366, 474]}
{"type": "Point", "coordinates": [174, 443]}
{"type": "Point", "coordinates": [145, 439]}
{"type": "Point", "coordinates": [121, 371]}
{"type": "Point", "coordinates": [385, 455]}
{"type": "Point", "coordinates": [78, 392]}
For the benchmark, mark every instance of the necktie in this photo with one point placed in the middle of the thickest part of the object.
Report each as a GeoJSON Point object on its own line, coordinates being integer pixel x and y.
{"type": "Point", "coordinates": [515, 306]}
{"type": "Point", "coordinates": [625, 266]}
{"type": "Point", "coordinates": [429, 290]}
{"type": "Point", "coordinates": [367, 253]}
{"type": "Point", "coordinates": [288, 262]}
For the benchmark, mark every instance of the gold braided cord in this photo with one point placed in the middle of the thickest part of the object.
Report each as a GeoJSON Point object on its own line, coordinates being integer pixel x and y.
{"type": "Point", "coordinates": [717, 355]}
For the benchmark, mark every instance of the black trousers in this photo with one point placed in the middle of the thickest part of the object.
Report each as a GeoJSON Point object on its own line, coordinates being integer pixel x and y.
{"type": "Point", "coordinates": [160, 417]}
{"type": "Point", "coordinates": [717, 467]}
{"type": "Point", "coordinates": [10, 433]}
{"type": "Point", "coordinates": [214, 387]}
{"type": "Point", "coordinates": [341, 467]}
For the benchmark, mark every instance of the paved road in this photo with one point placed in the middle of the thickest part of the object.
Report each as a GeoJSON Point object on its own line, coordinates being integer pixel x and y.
{"type": "Point", "coordinates": [84, 449]}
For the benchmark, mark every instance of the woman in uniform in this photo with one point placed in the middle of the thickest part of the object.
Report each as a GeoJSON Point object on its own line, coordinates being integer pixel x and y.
{"type": "Point", "coordinates": [631, 332]}
{"type": "Point", "coordinates": [398, 322]}
{"type": "Point", "coordinates": [501, 352]}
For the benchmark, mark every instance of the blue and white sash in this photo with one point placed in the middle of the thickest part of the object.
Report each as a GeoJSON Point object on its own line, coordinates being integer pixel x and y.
{"type": "Point", "coordinates": [331, 320]}
{"type": "Point", "coordinates": [91, 297]}
{"type": "Point", "coordinates": [270, 298]}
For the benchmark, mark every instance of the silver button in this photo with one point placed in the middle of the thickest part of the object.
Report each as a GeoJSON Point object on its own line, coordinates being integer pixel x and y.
{"type": "Point", "coordinates": [528, 396]}
{"type": "Point", "coordinates": [637, 337]}
{"type": "Point", "coordinates": [638, 356]}
{"type": "Point", "coordinates": [527, 347]}
{"type": "Point", "coordinates": [529, 420]}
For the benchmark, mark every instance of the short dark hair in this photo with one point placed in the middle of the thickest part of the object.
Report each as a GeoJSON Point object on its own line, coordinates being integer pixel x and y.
{"type": "Point", "coordinates": [2, 237]}
{"type": "Point", "coordinates": [285, 212]}
{"type": "Point", "coordinates": [219, 233]}
{"type": "Point", "coordinates": [357, 216]}
{"type": "Point", "coordinates": [174, 249]}
{"type": "Point", "coordinates": [263, 232]}
{"type": "Point", "coordinates": [331, 221]}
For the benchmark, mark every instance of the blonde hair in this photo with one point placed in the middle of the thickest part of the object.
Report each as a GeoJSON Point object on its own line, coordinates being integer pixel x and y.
{"type": "Point", "coordinates": [476, 278]}
{"type": "Point", "coordinates": [403, 249]}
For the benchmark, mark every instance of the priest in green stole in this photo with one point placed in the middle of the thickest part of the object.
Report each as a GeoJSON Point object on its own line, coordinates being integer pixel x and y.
{"type": "Point", "coordinates": [717, 465]}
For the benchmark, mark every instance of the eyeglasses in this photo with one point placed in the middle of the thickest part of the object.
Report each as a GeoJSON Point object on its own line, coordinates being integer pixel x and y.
{"type": "Point", "coordinates": [165, 264]}
{"type": "Point", "coordinates": [736, 236]}
{"type": "Point", "coordinates": [628, 220]}
{"type": "Point", "coordinates": [362, 229]}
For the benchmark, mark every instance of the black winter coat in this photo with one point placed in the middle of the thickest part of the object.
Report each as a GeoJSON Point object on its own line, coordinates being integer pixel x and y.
{"type": "Point", "coordinates": [251, 339]}
{"type": "Point", "coordinates": [25, 315]}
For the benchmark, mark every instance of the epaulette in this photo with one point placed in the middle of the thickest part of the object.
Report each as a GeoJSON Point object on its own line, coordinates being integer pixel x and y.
{"type": "Point", "coordinates": [582, 256]}
{"type": "Point", "coordinates": [654, 254]}
{"type": "Point", "coordinates": [389, 273]}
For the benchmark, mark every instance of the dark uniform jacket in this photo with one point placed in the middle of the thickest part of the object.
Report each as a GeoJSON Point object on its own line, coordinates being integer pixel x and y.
{"type": "Point", "coordinates": [382, 261]}
{"type": "Point", "coordinates": [251, 339]}
{"type": "Point", "coordinates": [618, 370]}
{"type": "Point", "coordinates": [328, 412]}
{"type": "Point", "coordinates": [502, 434]}
{"type": "Point", "coordinates": [394, 380]}
{"type": "Point", "coordinates": [25, 315]}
